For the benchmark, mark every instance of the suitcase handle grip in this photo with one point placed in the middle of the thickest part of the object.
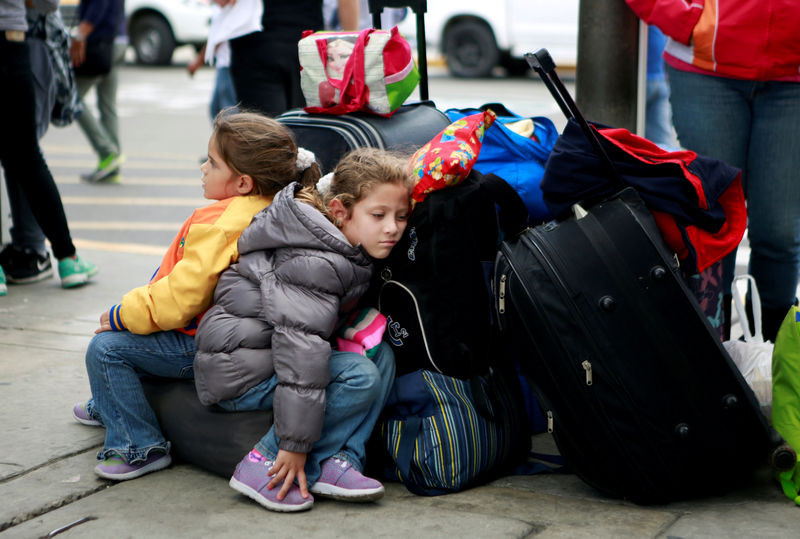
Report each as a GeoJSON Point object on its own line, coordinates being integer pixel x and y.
{"type": "Point", "coordinates": [541, 62]}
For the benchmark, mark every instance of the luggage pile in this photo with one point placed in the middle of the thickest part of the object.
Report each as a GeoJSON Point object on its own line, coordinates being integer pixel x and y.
{"type": "Point", "coordinates": [596, 288]}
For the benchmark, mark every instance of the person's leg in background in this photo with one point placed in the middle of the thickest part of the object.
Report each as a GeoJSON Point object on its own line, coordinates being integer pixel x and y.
{"type": "Point", "coordinates": [100, 140]}
{"type": "Point", "coordinates": [224, 95]}
{"type": "Point", "coordinates": [26, 259]}
{"type": "Point", "coordinates": [713, 117]}
{"type": "Point", "coordinates": [106, 90]}
{"type": "Point", "coordinates": [658, 114]}
{"type": "Point", "coordinates": [24, 164]}
{"type": "Point", "coordinates": [773, 199]}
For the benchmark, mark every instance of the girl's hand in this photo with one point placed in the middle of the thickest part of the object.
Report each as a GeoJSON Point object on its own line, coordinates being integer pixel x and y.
{"type": "Point", "coordinates": [288, 467]}
{"type": "Point", "coordinates": [105, 322]}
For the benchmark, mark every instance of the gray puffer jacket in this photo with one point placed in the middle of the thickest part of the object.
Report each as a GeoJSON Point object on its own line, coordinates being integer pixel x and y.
{"type": "Point", "coordinates": [274, 311]}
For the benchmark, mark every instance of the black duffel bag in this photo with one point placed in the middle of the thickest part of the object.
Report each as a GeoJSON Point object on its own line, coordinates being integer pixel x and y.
{"type": "Point", "coordinates": [206, 436]}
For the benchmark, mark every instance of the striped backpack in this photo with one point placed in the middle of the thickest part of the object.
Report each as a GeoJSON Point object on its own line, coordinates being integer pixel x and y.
{"type": "Point", "coordinates": [444, 434]}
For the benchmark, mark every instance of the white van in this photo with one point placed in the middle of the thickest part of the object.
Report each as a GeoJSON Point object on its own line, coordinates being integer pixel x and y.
{"type": "Point", "coordinates": [156, 27]}
{"type": "Point", "coordinates": [475, 36]}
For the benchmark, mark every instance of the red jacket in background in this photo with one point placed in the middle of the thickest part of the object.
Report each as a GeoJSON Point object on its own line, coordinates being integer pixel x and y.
{"type": "Point", "coordinates": [743, 39]}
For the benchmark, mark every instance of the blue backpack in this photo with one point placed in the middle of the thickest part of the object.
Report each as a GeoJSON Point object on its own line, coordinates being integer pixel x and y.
{"type": "Point", "coordinates": [519, 160]}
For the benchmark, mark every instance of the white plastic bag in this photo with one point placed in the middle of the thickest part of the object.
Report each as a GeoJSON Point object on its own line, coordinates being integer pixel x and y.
{"type": "Point", "coordinates": [753, 356]}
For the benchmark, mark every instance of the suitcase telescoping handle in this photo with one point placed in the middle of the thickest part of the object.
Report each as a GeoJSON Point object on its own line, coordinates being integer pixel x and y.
{"type": "Point", "coordinates": [541, 62]}
{"type": "Point", "coordinates": [419, 7]}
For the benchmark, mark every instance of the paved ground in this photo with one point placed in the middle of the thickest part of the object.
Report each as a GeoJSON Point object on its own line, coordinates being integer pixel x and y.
{"type": "Point", "coordinates": [46, 459]}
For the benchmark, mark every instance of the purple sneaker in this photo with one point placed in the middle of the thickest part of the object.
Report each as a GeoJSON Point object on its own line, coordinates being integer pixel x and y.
{"type": "Point", "coordinates": [339, 480]}
{"type": "Point", "coordinates": [81, 415]}
{"type": "Point", "coordinates": [116, 468]}
{"type": "Point", "coordinates": [251, 479]}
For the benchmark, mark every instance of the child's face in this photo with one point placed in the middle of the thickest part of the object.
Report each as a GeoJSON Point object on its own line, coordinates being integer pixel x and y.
{"type": "Point", "coordinates": [339, 52]}
{"type": "Point", "coordinates": [378, 220]}
{"type": "Point", "coordinates": [219, 181]}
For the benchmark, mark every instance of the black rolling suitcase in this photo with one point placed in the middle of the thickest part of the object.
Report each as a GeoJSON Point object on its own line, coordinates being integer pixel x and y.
{"type": "Point", "coordinates": [409, 128]}
{"type": "Point", "coordinates": [642, 399]}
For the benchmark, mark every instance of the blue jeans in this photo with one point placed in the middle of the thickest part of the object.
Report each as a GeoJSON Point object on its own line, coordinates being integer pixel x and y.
{"type": "Point", "coordinates": [114, 361]}
{"type": "Point", "coordinates": [753, 126]}
{"type": "Point", "coordinates": [224, 95]}
{"type": "Point", "coordinates": [658, 114]}
{"type": "Point", "coordinates": [354, 399]}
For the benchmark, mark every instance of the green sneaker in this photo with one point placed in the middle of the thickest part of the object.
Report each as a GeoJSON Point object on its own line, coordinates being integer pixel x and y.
{"type": "Point", "coordinates": [3, 287]}
{"type": "Point", "coordinates": [108, 166]}
{"type": "Point", "coordinates": [75, 271]}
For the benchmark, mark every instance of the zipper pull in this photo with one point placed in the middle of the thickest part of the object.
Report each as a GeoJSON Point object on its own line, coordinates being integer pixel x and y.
{"type": "Point", "coordinates": [386, 273]}
{"type": "Point", "coordinates": [549, 422]}
{"type": "Point", "coordinates": [501, 295]}
{"type": "Point", "coordinates": [587, 366]}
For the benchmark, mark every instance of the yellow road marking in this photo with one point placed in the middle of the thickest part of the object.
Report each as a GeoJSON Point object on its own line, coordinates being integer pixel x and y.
{"type": "Point", "coordinates": [127, 180]}
{"type": "Point", "coordinates": [124, 225]}
{"type": "Point", "coordinates": [138, 201]}
{"type": "Point", "coordinates": [82, 151]}
{"type": "Point", "coordinates": [187, 164]}
{"type": "Point", "coordinates": [132, 248]}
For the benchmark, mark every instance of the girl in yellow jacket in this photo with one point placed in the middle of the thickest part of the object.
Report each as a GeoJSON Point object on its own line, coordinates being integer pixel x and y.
{"type": "Point", "coordinates": [151, 331]}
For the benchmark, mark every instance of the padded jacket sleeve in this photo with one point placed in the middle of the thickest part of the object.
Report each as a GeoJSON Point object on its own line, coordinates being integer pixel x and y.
{"type": "Point", "coordinates": [676, 18]}
{"type": "Point", "coordinates": [301, 302]}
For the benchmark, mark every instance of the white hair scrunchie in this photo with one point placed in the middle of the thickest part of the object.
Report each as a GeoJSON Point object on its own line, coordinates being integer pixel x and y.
{"type": "Point", "coordinates": [324, 184]}
{"type": "Point", "coordinates": [305, 159]}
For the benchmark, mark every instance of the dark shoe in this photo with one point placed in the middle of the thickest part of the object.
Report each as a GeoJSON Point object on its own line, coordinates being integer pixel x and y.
{"type": "Point", "coordinates": [23, 266]}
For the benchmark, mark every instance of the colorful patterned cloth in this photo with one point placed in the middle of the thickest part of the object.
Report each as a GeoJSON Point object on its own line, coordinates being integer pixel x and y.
{"type": "Point", "coordinates": [448, 158]}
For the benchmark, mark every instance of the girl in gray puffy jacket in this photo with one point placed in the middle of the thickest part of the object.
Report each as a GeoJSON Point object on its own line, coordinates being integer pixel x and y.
{"type": "Point", "coordinates": [305, 262]}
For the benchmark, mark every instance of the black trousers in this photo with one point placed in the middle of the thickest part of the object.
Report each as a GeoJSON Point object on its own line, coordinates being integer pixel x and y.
{"type": "Point", "coordinates": [20, 154]}
{"type": "Point", "coordinates": [266, 74]}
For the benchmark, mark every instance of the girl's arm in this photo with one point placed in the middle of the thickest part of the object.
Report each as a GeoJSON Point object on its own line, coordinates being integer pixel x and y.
{"type": "Point", "coordinates": [301, 301]}
{"type": "Point", "coordinates": [183, 287]}
{"type": "Point", "coordinates": [676, 18]}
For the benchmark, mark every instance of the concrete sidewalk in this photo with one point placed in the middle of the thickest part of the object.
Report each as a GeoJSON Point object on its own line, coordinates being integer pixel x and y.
{"type": "Point", "coordinates": [47, 482]}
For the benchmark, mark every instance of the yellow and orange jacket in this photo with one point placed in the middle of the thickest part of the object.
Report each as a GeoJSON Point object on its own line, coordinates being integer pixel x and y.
{"type": "Point", "coordinates": [183, 286]}
{"type": "Point", "coordinates": [741, 39]}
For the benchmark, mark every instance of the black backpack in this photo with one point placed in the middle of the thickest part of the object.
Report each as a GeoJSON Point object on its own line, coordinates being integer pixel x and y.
{"type": "Point", "coordinates": [434, 286]}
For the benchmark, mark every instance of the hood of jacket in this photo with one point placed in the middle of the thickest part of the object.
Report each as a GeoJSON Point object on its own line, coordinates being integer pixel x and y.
{"type": "Point", "coordinates": [287, 222]}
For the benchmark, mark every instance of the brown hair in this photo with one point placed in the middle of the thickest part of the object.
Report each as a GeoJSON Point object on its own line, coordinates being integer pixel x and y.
{"type": "Point", "coordinates": [356, 175]}
{"type": "Point", "coordinates": [262, 148]}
